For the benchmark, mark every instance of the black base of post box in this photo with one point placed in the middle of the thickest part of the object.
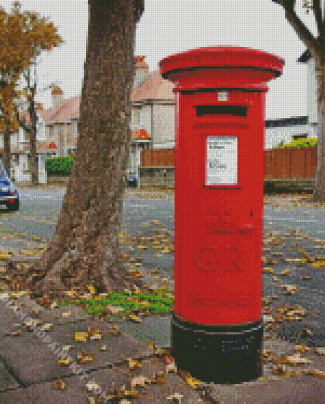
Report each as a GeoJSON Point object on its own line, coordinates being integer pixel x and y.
{"type": "Point", "coordinates": [218, 354]}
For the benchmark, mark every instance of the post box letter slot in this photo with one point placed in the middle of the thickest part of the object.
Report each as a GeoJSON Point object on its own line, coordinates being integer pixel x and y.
{"type": "Point", "coordinates": [233, 110]}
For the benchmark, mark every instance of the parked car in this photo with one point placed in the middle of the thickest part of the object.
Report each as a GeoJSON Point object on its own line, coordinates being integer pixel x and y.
{"type": "Point", "coordinates": [9, 195]}
{"type": "Point", "coordinates": [132, 180]}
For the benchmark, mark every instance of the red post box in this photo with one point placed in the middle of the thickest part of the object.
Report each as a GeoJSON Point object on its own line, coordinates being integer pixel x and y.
{"type": "Point", "coordinates": [217, 326]}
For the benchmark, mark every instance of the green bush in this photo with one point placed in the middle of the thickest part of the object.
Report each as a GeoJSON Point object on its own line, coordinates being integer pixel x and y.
{"type": "Point", "coordinates": [303, 142]}
{"type": "Point", "coordinates": [59, 165]}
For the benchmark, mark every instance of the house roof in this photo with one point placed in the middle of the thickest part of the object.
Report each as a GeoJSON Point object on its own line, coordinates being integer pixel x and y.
{"type": "Point", "coordinates": [45, 147]}
{"type": "Point", "coordinates": [69, 109]}
{"type": "Point", "coordinates": [45, 114]}
{"type": "Point", "coordinates": [154, 88]}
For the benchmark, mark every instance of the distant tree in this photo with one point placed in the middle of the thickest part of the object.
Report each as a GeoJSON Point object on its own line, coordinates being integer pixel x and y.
{"type": "Point", "coordinates": [8, 121]}
{"type": "Point", "coordinates": [29, 93]}
{"type": "Point", "coordinates": [23, 35]}
{"type": "Point", "coordinates": [85, 247]}
{"type": "Point", "coordinates": [316, 47]}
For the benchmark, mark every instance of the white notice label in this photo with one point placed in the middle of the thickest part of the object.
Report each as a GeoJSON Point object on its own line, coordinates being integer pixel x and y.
{"type": "Point", "coordinates": [223, 96]}
{"type": "Point", "coordinates": [221, 164]}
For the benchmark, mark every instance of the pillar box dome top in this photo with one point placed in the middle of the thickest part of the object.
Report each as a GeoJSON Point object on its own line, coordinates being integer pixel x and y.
{"type": "Point", "coordinates": [221, 67]}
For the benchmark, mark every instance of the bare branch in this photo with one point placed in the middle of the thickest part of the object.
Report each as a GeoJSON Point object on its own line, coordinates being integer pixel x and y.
{"type": "Point", "coordinates": [22, 123]}
{"type": "Point", "coordinates": [301, 29]}
{"type": "Point", "coordinates": [317, 8]}
{"type": "Point", "coordinates": [285, 3]}
{"type": "Point", "coordinates": [138, 9]}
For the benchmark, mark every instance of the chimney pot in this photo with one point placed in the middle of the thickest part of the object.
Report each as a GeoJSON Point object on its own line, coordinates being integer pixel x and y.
{"type": "Point", "coordinates": [57, 97]}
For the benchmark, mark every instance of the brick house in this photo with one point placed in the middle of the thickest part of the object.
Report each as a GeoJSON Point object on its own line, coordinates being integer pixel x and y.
{"type": "Point", "coordinates": [20, 161]}
{"type": "Point", "coordinates": [152, 124]}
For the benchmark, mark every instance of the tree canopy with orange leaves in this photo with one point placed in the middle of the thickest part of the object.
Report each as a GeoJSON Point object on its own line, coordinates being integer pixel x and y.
{"type": "Point", "coordinates": [23, 35]}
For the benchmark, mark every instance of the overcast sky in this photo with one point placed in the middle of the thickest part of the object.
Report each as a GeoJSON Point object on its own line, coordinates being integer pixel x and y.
{"type": "Point", "coordinates": [171, 26]}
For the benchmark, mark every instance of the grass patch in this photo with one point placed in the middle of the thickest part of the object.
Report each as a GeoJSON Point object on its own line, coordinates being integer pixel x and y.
{"type": "Point", "coordinates": [159, 304]}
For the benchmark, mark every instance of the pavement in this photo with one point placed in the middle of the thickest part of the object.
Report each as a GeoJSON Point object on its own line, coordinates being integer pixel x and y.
{"type": "Point", "coordinates": [30, 370]}
{"type": "Point", "coordinates": [97, 368]}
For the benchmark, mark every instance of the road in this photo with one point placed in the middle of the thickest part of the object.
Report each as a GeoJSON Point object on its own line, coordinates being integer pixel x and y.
{"type": "Point", "coordinates": [290, 232]}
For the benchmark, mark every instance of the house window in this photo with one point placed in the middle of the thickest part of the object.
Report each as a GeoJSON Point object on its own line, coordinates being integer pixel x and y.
{"type": "Point", "coordinates": [41, 131]}
{"type": "Point", "coordinates": [139, 118]}
{"type": "Point", "coordinates": [51, 132]}
{"type": "Point", "coordinates": [69, 133]}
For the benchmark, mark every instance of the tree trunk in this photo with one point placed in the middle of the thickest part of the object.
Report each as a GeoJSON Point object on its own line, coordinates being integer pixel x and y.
{"type": "Point", "coordinates": [32, 143]}
{"type": "Point", "coordinates": [6, 149]}
{"type": "Point", "coordinates": [85, 247]}
{"type": "Point", "coordinates": [319, 189]}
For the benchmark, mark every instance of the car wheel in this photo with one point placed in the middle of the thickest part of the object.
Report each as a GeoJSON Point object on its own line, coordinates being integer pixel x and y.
{"type": "Point", "coordinates": [13, 207]}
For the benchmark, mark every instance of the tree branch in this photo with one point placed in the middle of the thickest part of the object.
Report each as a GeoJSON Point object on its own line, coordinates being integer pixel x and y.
{"type": "Point", "coordinates": [301, 29]}
{"type": "Point", "coordinates": [138, 9]}
{"type": "Point", "coordinates": [21, 122]}
{"type": "Point", "coordinates": [318, 16]}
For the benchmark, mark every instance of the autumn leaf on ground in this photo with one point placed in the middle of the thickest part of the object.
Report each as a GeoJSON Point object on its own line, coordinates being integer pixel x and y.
{"type": "Point", "coordinates": [192, 382]}
{"type": "Point", "coordinates": [46, 327]}
{"type": "Point", "coordinates": [279, 370]}
{"type": "Point", "coordinates": [59, 384]}
{"type": "Point", "coordinates": [170, 367]}
{"type": "Point", "coordinates": [139, 381]}
{"type": "Point", "coordinates": [175, 397]}
{"type": "Point", "coordinates": [90, 386]}
{"type": "Point", "coordinates": [65, 362]}
{"type": "Point", "coordinates": [81, 336]}
{"type": "Point", "coordinates": [114, 330]}
{"type": "Point", "coordinates": [135, 318]}
{"type": "Point", "coordinates": [301, 348]}
{"type": "Point", "coordinates": [314, 372]}
{"type": "Point", "coordinates": [296, 359]}
{"type": "Point", "coordinates": [320, 350]}
{"type": "Point", "coordinates": [83, 357]}
{"type": "Point", "coordinates": [158, 377]}
{"type": "Point", "coordinates": [67, 347]}
{"type": "Point", "coordinates": [133, 364]}
{"type": "Point", "coordinates": [91, 289]}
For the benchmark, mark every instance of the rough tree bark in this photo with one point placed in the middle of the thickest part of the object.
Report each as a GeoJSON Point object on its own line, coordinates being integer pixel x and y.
{"type": "Point", "coordinates": [32, 142]}
{"type": "Point", "coordinates": [85, 247]}
{"type": "Point", "coordinates": [6, 149]}
{"type": "Point", "coordinates": [319, 189]}
{"type": "Point", "coordinates": [316, 46]}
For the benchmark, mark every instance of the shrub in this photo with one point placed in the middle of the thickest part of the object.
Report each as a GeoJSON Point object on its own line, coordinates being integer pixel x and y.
{"type": "Point", "coordinates": [297, 143]}
{"type": "Point", "coordinates": [59, 165]}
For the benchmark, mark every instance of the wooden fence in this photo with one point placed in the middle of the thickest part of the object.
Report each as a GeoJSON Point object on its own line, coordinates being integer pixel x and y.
{"type": "Point", "coordinates": [158, 158]}
{"type": "Point", "coordinates": [279, 163]}
{"type": "Point", "coordinates": [291, 163]}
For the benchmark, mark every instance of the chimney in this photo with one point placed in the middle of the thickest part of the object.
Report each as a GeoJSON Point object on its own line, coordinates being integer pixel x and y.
{"type": "Point", "coordinates": [57, 97]}
{"type": "Point", "coordinates": [141, 71]}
